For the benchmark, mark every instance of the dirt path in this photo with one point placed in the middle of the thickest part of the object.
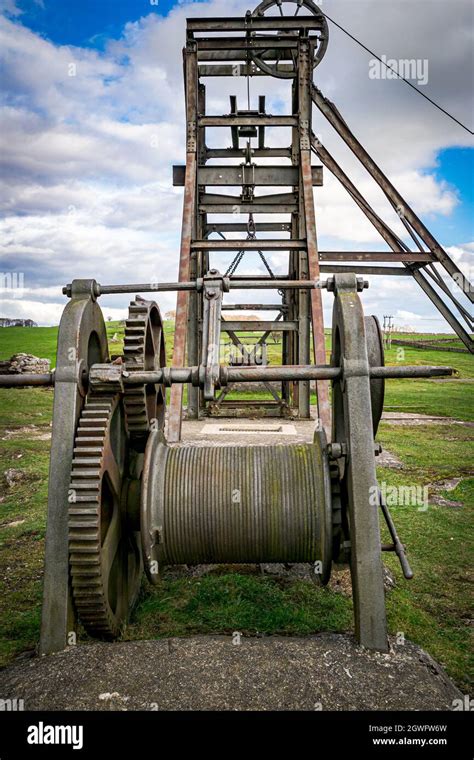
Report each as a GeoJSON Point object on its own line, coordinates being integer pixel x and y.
{"type": "Point", "coordinates": [410, 418]}
{"type": "Point", "coordinates": [323, 672]}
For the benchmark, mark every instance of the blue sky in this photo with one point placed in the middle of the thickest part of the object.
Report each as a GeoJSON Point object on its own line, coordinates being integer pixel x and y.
{"type": "Point", "coordinates": [87, 160]}
{"type": "Point", "coordinates": [86, 23]}
{"type": "Point", "coordinates": [456, 167]}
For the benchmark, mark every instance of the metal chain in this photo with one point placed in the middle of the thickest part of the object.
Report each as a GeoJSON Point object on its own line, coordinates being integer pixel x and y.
{"type": "Point", "coordinates": [235, 263]}
{"type": "Point", "coordinates": [267, 265]}
{"type": "Point", "coordinates": [251, 229]}
{"type": "Point", "coordinates": [251, 235]}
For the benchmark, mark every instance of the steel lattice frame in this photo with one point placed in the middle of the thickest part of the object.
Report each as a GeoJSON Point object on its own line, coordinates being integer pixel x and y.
{"type": "Point", "coordinates": [242, 47]}
{"type": "Point", "coordinates": [298, 311]}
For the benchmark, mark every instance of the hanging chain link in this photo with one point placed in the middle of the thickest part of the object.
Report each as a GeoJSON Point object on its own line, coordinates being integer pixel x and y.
{"type": "Point", "coordinates": [251, 229]}
{"type": "Point", "coordinates": [235, 263]}
{"type": "Point", "coordinates": [251, 235]}
{"type": "Point", "coordinates": [267, 265]}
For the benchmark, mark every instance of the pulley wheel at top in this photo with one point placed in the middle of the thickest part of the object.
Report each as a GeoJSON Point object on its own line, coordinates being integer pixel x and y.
{"type": "Point", "coordinates": [270, 61]}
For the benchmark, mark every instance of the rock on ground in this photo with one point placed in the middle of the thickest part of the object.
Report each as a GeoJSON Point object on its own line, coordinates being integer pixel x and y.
{"type": "Point", "coordinates": [11, 477]}
{"type": "Point", "coordinates": [25, 363]}
{"type": "Point", "coordinates": [321, 672]}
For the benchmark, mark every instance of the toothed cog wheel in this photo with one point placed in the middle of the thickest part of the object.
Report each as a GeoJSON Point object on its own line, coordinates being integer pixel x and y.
{"type": "Point", "coordinates": [104, 551]}
{"type": "Point", "coordinates": [144, 349]}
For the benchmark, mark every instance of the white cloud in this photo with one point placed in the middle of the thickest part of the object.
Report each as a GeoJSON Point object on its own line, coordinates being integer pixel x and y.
{"type": "Point", "coordinates": [86, 159]}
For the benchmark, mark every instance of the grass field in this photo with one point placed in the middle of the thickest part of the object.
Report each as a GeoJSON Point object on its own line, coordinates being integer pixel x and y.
{"type": "Point", "coordinates": [434, 609]}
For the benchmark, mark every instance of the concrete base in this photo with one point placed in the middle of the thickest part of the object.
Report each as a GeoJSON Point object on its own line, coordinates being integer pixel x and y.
{"type": "Point", "coordinates": [322, 672]}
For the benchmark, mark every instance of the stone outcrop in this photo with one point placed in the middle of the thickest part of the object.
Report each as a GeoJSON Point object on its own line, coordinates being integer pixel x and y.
{"type": "Point", "coordinates": [20, 363]}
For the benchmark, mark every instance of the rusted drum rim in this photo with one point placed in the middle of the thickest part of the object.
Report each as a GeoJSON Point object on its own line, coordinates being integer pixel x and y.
{"type": "Point", "coordinates": [375, 353]}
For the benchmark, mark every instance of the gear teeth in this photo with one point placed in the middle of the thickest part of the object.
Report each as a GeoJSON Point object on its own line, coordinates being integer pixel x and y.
{"type": "Point", "coordinates": [84, 515]}
{"type": "Point", "coordinates": [136, 399]}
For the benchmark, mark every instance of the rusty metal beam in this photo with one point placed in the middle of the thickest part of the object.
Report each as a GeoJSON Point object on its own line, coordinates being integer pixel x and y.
{"type": "Point", "coordinates": [235, 70]}
{"type": "Point", "coordinates": [410, 258]}
{"type": "Point", "coordinates": [248, 245]}
{"type": "Point", "coordinates": [222, 46]}
{"type": "Point", "coordinates": [331, 113]}
{"type": "Point", "coordinates": [391, 239]}
{"type": "Point", "coordinates": [240, 207]}
{"type": "Point", "coordinates": [25, 380]}
{"type": "Point", "coordinates": [258, 176]}
{"type": "Point", "coordinates": [317, 317]}
{"type": "Point", "coordinates": [254, 23]}
{"type": "Point", "coordinates": [260, 120]}
{"type": "Point", "coordinates": [242, 152]}
{"type": "Point", "coordinates": [254, 307]}
{"type": "Point", "coordinates": [237, 203]}
{"type": "Point", "coordinates": [247, 326]}
{"type": "Point", "coordinates": [363, 270]}
{"type": "Point", "coordinates": [187, 231]}
{"type": "Point", "coordinates": [243, 227]}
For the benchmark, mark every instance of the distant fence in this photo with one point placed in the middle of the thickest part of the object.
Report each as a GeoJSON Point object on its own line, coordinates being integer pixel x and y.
{"type": "Point", "coordinates": [430, 344]}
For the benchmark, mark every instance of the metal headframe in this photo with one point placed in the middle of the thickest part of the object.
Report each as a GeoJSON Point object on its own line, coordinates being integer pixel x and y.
{"type": "Point", "coordinates": [287, 47]}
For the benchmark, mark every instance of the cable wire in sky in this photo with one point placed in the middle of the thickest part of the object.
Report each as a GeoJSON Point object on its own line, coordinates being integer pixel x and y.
{"type": "Point", "coordinates": [396, 72]}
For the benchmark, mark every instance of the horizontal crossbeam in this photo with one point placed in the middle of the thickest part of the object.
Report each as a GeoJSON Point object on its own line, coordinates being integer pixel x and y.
{"type": "Point", "coordinates": [254, 307]}
{"type": "Point", "coordinates": [269, 43]}
{"type": "Point", "coordinates": [258, 176]}
{"type": "Point", "coordinates": [237, 70]}
{"type": "Point", "coordinates": [253, 24]}
{"type": "Point", "coordinates": [242, 153]}
{"type": "Point", "coordinates": [237, 120]}
{"type": "Point", "coordinates": [374, 256]}
{"type": "Point", "coordinates": [364, 270]}
{"type": "Point", "coordinates": [248, 245]}
{"type": "Point", "coordinates": [237, 207]}
{"type": "Point", "coordinates": [264, 326]}
{"type": "Point", "coordinates": [243, 227]}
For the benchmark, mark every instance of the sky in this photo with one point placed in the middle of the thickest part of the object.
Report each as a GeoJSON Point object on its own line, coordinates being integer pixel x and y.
{"type": "Point", "coordinates": [92, 120]}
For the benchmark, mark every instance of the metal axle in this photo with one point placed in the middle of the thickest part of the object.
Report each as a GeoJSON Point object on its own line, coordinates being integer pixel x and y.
{"type": "Point", "coordinates": [192, 375]}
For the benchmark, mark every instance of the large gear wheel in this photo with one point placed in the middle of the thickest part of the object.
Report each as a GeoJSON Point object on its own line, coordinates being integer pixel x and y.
{"type": "Point", "coordinates": [104, 551]}
{"type": "Point", "coordinates": [144, 349]}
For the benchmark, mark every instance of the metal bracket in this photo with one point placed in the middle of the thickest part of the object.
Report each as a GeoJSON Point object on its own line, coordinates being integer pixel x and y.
{"type": "Point", "coordinates": [107, 377]}
{"type": "Point", "coordinates": [82, 289]}
{"type": "Point", "coordinates": [346, 281]}
{"type": "Point", "coordinates": [305, 142]}
{"type": "Point", "coordinates": [214, 286]}
{"type": "Point", "coordinates": [191, 143]}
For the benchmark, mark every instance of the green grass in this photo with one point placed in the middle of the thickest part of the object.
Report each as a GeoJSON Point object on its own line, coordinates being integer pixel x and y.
{"type": "Point", "coordinates": [22, 544]}
{"type": "Point", "coordinates": [452, 398]}
{"type": "Point", "coordinates": [40, 341]}
{"type": "Point", "coordinates": [26, 406]}
{"type": "Point", "coordinates": [228, 602]}
{"type": "Point", "coordinates": [432, 609]}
